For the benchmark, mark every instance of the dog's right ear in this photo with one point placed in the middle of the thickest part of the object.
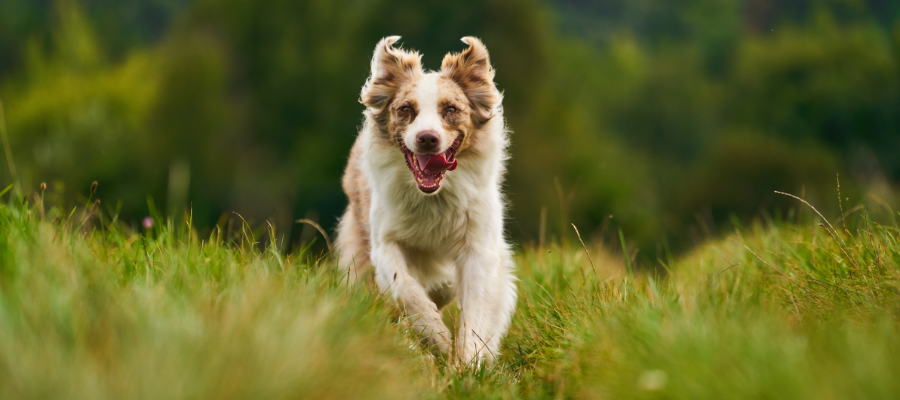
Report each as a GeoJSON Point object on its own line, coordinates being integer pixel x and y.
{"type": "Point", "coordinates": [391, 68]}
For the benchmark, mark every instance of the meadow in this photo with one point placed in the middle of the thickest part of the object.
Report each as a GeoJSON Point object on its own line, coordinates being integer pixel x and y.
{"type": "Point", "coordinates": [93, 308]}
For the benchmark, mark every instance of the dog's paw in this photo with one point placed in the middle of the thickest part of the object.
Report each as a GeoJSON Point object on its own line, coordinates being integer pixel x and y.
{"type": "Point", "coordinates": [436, 338]}
{"type": "Point", "coordinates": [433, 335]}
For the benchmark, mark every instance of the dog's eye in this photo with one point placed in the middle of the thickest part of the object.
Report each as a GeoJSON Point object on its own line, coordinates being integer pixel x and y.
{"type": "Point", "coordinates": [405, 110]}
{"type": "Point", "coordinates": [452, 110]}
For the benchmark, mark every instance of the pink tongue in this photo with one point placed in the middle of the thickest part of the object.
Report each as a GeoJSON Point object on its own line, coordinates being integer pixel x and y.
{"type": "Point", "coordinates": [433, 164]}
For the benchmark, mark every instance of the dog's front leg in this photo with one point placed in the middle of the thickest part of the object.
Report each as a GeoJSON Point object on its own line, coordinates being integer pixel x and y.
{"type": "Point", "coordinates": [393, 277]}
{"type": "Point", "coordinates": [487, 296]}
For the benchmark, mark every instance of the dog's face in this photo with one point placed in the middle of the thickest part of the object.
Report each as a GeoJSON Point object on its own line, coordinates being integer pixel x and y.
{"type": "Point", "coordinates": [430, 118]}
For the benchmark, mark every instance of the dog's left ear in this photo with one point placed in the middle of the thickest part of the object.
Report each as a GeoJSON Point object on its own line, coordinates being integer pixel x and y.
{"type": "Point", "coordinates": [471, 70]}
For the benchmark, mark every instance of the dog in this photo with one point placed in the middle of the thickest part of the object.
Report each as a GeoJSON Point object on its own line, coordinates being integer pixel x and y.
{"type": "Point", "coordinates": [425, 204]}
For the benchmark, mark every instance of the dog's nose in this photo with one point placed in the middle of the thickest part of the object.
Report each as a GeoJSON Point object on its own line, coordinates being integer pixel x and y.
{"type": "Point", "coordinates": [427, 141]}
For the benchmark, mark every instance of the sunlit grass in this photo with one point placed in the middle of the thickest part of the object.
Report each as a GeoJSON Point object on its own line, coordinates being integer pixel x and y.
{"type": "Point", "coordinates": [90, 308]}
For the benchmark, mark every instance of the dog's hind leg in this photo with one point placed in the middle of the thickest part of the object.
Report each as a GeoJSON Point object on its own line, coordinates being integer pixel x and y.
{"type": "Point", "coordinates": [392, 276]}
{"type": "Point", "coordinates": [352, 247]}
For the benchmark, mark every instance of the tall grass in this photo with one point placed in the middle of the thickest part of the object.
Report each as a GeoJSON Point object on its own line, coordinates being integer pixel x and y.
{"type": "Point", "coordinates": [103, 313]}
{"type": "Point", "coordinates": [90, 308]}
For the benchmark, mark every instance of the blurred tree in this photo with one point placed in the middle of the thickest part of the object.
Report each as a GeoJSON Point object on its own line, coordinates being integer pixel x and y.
{"type": "Point", "coordinates": [841, 85]}
{"type": "Point", "coordinates": [121, 25]}
{"type": "Point", "coordinates": [76, 118]}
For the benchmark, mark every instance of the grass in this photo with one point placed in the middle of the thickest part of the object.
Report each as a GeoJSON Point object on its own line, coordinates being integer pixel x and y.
{"type": "Point", "coordinates": [90, 308]}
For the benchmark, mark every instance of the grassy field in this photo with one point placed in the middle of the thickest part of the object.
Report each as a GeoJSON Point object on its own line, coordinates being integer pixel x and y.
{"type": "Point", "coordinates": [92, 309]}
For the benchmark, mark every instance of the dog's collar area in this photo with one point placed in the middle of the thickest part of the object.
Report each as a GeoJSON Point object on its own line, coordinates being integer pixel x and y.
{"type": "Point", "coordinates": [428, 169]}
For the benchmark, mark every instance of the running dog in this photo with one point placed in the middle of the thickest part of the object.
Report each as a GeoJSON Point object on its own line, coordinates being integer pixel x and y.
{"type": "Point", "coordinates": [426, 209]}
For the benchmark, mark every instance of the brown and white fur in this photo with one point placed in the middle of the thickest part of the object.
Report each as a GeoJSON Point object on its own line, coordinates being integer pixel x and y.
{"type": "Point", "coordinates": [439, 233]}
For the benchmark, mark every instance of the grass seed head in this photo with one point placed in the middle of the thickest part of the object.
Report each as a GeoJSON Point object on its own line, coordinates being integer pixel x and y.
{"type": "Point", "coordinates": [94, 187]}
{"type": "Point", "coordinates": [43, 186]}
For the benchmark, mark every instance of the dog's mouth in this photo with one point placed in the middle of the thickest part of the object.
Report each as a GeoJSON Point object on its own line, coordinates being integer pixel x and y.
{"type": "Point", "coordinates": [429, 169]}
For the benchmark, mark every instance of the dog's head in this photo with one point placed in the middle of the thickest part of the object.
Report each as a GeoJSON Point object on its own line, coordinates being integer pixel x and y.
{"type": "Point", "coordinates": [431, 118]}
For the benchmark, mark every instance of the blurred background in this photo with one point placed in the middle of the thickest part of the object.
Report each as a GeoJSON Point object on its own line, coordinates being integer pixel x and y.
{"type": "Point", "coordinates": [668, 121]}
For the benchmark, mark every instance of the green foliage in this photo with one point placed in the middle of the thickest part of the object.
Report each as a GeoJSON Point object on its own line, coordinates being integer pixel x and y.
{"type": "Point", "coordinates": [659, 119]}
{"type": "Point", "coordinates": [122, 25]}
{"type": "Point", "coordinates": [76, 118]}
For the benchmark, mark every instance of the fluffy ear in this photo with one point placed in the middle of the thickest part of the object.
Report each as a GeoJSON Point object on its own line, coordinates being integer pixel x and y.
{"type": "Point", "coordinates": [390, 69]}
{"type": "Point", "coordinates": [471, 69]}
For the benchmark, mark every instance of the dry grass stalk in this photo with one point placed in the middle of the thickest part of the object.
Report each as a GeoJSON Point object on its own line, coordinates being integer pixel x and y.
{"type": "Point", "coordinates": [585, 252]}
